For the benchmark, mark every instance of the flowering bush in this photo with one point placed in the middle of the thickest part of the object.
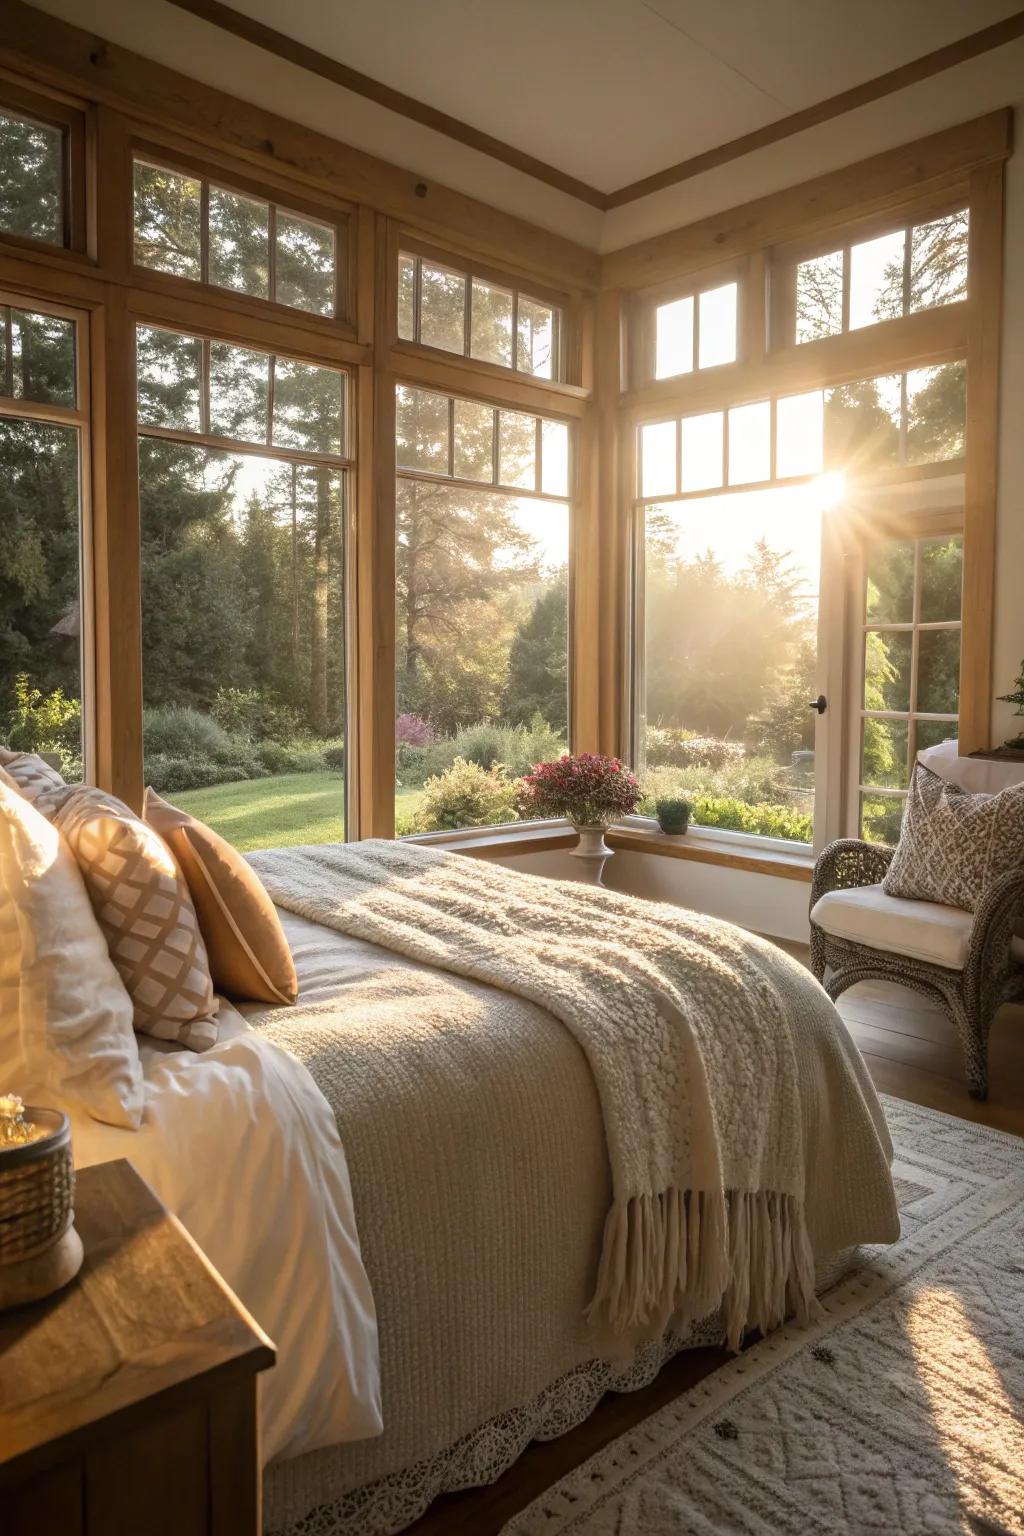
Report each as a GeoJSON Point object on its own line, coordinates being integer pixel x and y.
{"type": "Point", "coordinates": [590, 791]}
{"type": "Point", "coordinates": [413, 731]}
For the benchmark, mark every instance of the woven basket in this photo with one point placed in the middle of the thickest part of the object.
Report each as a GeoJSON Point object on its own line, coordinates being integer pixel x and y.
{"type": "Point", "coordinates": [37, 1186]}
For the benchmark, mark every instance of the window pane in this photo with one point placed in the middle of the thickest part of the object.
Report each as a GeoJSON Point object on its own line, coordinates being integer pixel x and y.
{"type": "Point", "coordinates": [883, 758]}
{"type": "Point", "coordinates": [889, 598]}
{"type": "Point", "coordinates": [170, 370]}
{"type": "Point", "coordinates": [481, 636]}
{"type": "Point", "coordinates": [819, 297]}
{"type": "Point", "coordinates": [887, 667]}
{"type": "Point", "coordinates": [421, 430]}
{"type": "Point", "coordinates": [750, 443]}
{"type": "Point", "coordinates": [938, 261]}
{"type": "Point", "coordinates": [304, 263]}
{"type": "Point", "coordinates": [702, 451]}
{"type": "Point", "coordinates": [938, 671]}
{"type": "Point", "coordinates": [239, 392]}
{"type": "Point", "coordinates": [555, 458]}
{"type": "Point", "coordinates": [535, 350]}
{"type": "Point", "coordinates": [798, 443]}
{"type": "Point", "coordinates": [862, 424]}
{"type": "Point", "coordinates": [876, 280]}
{"type": "Point", "coordinates": [40, 622]}
{"type": "Point", "coordinates": [491, 339]}
{"type": "Point", "coordinates": [474, 441]}
{"type": "Point", "coordinates": [168, 221]}
{"type": "Point", "coordinates": [941, 577]}
{"type": "Point", "coordinates": [930, 733]}
{"type": "Point", "coordinates": [239, 243]}
{"type": "Point", "coordinates": [880, 817]}
{"type": "Point", "coordinates": [41, 362]}
{"type": "Point", "coordinates": [31, 179]}
{"type": "Point", "coordinates": [730, 606]}
{"type": "Point", "coordinates": [936, 413]}
{"type": "Point", "coordinates": [308, 405]}
{"type": "Point", "coordinates": [406, 298]}
{"type": "Point", "coordinates": [517, 449]}
{"type": "Point", "coordinates": [442, 308]}
{"type": "Point", "coordinates": [718, 326]}
{"type": "Point", "coordinates": [658, 459]}
{"type": "Point", "coordinates": [243, 641]}
{"type": "Point", "coordinates": [674, 338]}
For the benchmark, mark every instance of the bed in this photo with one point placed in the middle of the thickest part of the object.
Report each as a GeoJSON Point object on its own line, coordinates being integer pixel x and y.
{"type": "Point", "coordinates": [426, 1273]}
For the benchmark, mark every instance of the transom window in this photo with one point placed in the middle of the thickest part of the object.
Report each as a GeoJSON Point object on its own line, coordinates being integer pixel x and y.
{"type": "Point", "coordinates": [193, 228]}
{"type": "Point", "coordinates": [456, 311]}
{"type": "Point", "coordinates": [870, 424]}
{"type": "Point", "coordinates": [467, 440]}
{"type": "Point", "coordinates": [910, 660]}
{"type": "Point", "coordinates": [894, 274]}
{"type": "Point", "coordinates": [32, 178]}
{"type": "Point", "coordinates": [696, 331]}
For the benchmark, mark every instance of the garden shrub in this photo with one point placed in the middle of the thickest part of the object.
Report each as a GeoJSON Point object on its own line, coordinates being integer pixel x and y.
{"type": "Point", "coordinates": [334, 759]}
{"type": "Point", "coordinates": [168, 774]}
{"type": "Point", "coordinates": [413, 731]}
{"type": "Point", "coordinates": [671, 747]}
{"type": "Point", "coordinates": [290, 757]}
{"type": "Point", "coordinates": [252, 713]}
{"type": "Point", "coordinates": [465, 795]}
{"type": "Point", "coordinates": [764, 820]}
{"type": "Point", "coordinates": [45, 723]}
{"type": "Point", "coordinates": [175, 730]}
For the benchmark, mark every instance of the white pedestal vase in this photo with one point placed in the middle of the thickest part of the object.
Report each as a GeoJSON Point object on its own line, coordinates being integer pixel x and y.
{"type": "Point", "coordinates": [593, 854]}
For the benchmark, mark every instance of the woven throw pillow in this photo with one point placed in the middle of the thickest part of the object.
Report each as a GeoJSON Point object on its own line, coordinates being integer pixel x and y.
{"type": "Point", "coordinates": [249, 954]}
{"type": "Point", "coordinates": [35, 779]}
{"type": "Point", "coordinates": [953, 845]}
{"type": "Point", "coordinates": [147, 916]}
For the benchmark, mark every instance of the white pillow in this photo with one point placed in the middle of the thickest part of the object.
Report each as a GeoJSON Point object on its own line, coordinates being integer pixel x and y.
{"type": "Point", "coordinates": [65, 1017]}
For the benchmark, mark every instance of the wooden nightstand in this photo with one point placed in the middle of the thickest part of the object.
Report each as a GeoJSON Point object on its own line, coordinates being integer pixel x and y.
{"type": "Point", "coordinates": [128, 1400]}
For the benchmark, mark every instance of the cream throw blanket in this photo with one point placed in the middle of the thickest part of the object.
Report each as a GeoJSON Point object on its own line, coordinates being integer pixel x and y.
{"type": "Point", "coordinates": [685, 1029]}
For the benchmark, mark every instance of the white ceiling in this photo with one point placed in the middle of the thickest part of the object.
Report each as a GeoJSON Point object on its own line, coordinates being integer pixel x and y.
{"type": "Point", "coordinates": [610, 91]}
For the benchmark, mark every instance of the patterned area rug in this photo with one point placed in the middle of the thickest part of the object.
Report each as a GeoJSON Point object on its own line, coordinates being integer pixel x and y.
{"type": "Point", "coordinates": [899, 1413]}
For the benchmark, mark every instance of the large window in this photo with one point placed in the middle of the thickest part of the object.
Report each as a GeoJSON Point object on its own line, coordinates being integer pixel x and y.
{"type": "Point", "coordinates": [43, 412]}
{"type": "Point", "coordinates": [242, 461]}
{"type": "Point", "coordinates": [479, 317]}
{"type": "Point", "coordinates": [191, 227]}
{"type": "Point", "coordinates": [481, 606]}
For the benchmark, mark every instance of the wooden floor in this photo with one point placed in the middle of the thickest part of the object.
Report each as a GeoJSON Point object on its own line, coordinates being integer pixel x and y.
{"type": "Point", "coordinates": [913, 1054]}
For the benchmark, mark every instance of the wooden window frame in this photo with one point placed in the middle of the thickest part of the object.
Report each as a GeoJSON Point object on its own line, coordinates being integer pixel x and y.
{"type": "Point", "coordinates": [71, 120]}
{"type": "Point", "coordinates": [214, 173]}
{"type": "Point", "coordinates": [563, 305]}
{"type": "Point", "coordinates": [79, 416]}
{"type": "Point", "coordinates": [642, 321]}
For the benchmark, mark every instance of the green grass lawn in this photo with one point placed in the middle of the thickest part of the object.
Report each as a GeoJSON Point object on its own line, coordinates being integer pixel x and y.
{"type": "Point", "coordinates": [278, 812]}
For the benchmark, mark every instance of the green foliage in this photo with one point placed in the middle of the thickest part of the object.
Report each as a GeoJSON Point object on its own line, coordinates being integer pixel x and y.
{"type": "Point", "coordinates": [167, 773]}
{"type": "Point", "coordinates": [765, 820]}
{"type": "Point", "coordinates": [253, 713]}
{"type": "Point", "coordinates": [294, 757]}
{"type": "Point", "coordinates": [673, 813]}
{"type": "Point", "coordinates": [466, 795]}
{"type": "Point", "coordinates": [334, 759]}
{"type": "Point", "coordinates": [178, 731]}
{"type": "Point", "coordinates": [537, 679]}
{"type": "Point", "coordinates": [43, 722]}
{"type": "Point", "coordinates": [516, 747]}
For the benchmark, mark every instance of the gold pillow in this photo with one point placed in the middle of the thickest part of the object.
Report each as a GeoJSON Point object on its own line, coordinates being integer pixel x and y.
{"type": "Point", "coordinates": [143, 906]}
{"type": "Point", "coordinates": [36, 780]}
{"type": "Point", "coordinates": [249, 954]}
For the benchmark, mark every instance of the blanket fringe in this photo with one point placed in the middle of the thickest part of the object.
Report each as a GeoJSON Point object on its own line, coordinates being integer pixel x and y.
{"type": "Point", "coordinates": [687, 1253]}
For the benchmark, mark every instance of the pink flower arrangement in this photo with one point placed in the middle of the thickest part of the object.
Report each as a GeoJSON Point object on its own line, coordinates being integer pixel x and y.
{"type": "Point", "coordinates": [590, 791]}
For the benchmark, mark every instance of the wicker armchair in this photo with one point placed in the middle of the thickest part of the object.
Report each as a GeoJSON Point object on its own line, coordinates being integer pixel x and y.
{"type": "Point", "coordinates": [992, 972]}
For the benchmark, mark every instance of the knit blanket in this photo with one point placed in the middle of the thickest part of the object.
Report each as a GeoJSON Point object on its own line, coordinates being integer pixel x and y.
{"type": "Point", "coordinates": [683, 1021]}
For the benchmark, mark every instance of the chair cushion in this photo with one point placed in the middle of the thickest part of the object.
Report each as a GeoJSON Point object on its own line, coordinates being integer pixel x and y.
{"type": "Point", "coordinates": [921, 930]}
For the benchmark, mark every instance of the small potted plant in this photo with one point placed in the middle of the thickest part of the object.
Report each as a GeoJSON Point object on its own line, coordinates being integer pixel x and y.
{"type": "Point", "coordinates": [588, 790]}
{"type": "Point", "coordinates": [673, 815]}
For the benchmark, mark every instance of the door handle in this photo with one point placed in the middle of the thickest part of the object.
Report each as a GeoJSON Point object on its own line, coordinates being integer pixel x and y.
{"type": "Point", "coordinates": [820, 704]}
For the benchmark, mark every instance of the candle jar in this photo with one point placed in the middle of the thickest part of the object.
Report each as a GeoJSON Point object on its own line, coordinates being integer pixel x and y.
{"type": "Point", "coordinates": [40, 1251]}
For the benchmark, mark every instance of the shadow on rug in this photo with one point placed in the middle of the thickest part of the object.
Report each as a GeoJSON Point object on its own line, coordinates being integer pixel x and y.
{"type": "Point", "coordinates": [900, 1412]}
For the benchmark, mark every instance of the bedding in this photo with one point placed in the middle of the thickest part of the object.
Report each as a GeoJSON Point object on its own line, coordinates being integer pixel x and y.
{"type": "Point", "coordinates": [240, 1145]}
{"type": "Point", "coordinates": [474, 1134]}
{"type": "Point", "coordinates": [65, 1017]}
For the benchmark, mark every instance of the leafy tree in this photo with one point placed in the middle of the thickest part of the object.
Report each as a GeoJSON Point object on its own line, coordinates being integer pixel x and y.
{"type": "Point", "coordinates": [31, 174]}
{"type": "Point", "coordinates": [537, 671]}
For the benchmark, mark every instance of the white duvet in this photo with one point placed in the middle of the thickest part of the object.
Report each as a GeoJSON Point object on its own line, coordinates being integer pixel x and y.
{"type": "Point", "coordinates": [240, 1144]}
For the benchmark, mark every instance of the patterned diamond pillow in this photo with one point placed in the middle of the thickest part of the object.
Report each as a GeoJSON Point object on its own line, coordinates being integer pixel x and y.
{"type": "Point", "coordinates": [953, 845]}
{"type": "Point", "coordinates": [40, 784]}
{"type": "Point", "coordinates": [144, 908]}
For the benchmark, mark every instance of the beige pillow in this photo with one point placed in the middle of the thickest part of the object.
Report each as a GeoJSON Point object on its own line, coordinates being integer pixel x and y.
{"type": "Point", "coordinates": [147, 917]}
{"type": "Point", "coordinates": [249, 954]}
{"type": "Point", "coordinates": [953, 845]}
{"type": "Point", "coordinates": [65, 1017]}
{"type": "Point", "coordinates": [36, 780]}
